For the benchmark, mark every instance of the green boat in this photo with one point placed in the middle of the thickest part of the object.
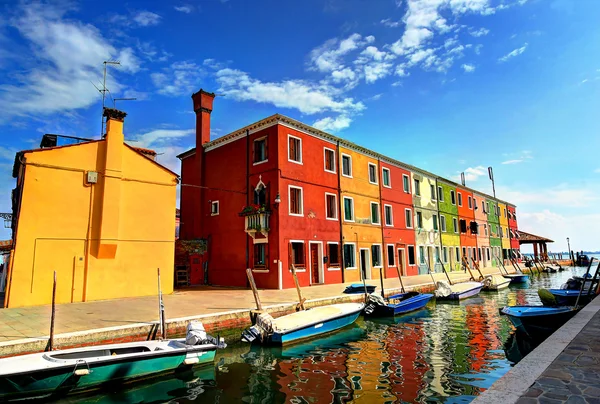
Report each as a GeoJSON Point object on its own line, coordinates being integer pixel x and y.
{"type": "Point", "coordinates": [58, 373]}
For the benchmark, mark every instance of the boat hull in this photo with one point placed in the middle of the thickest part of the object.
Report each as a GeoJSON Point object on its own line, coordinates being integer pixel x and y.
{"type": "Point", "coordinates": [540, 323]}
{"type": "Point", "coordinates": [566, 297]}
{"type": "Point", "coordinates": [463, 294]}
{"type": "Point", "coordinates": [517, 278]}
{"type": "Point", "coordinates": [404, 306]}
{"type": "Point", "coordinates": [63, 380]}
{"type": "Point", "coordinates": [283, 338]}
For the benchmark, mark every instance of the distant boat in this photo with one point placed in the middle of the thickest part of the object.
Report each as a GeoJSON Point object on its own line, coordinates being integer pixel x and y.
{"type": "Point", "coordinates": [457, 291]}
{"type": "Point", "coordinates": [302, 324]}
{"type": "Point", "coordinates": [516, 278]}
{"type": "Point", "coordinates": [79, 369]}
{"type": "Point", "coordinates": [564, 297]}
{"type": "Point", "coordinates": [539, 321]}
{"type": "Point", "coordinates": [359, 288]}
{"type": "Point", "coordinates": [495, 282]}
{"type": "Point", "coordinates": [396, 304]}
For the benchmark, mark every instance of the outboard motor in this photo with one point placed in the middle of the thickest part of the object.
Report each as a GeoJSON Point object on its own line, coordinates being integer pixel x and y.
{"type": "Point", "coordinates": [375, 300]}
{"type": "Point", "coordinates": [196, 335]}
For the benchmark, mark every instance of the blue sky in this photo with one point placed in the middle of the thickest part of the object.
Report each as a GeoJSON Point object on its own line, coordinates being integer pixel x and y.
{"type": "Point", "coordinates": [446, 85]}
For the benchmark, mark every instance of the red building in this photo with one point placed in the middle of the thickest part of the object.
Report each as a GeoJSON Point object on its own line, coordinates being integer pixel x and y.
{"type": "Point", "coordinates": [513, 230]}
{"type": "Point", "coordinates": [466, 223]}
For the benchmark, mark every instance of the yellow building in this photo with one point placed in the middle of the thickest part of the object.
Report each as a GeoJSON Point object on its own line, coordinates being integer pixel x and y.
{"type": "Point", "coordinates": [361, 214]}
{"type": "Point", "coordinates": [99, 213]}
{"type": "Point", "coordinates": [503, 218]}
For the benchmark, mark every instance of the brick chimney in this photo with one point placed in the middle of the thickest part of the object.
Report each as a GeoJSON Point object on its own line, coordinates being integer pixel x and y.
{"type": "Point", "coordinates": [203, 104]}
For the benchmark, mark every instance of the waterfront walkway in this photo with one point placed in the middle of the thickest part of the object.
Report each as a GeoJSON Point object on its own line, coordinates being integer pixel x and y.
{"type": "Point", "coordinates": [212, 304]}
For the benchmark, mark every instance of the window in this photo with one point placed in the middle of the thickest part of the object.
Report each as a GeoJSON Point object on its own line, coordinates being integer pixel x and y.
{"type": "Point", "coordinates": [485, 230]}
{"type": "Point", "coordinates": [346, 165]}
{"type": "Point", "coordinates": [331, 206]}
{"type": "Point", "coordinates": [294, 149]}
{"type": "Point", "coordinates": [483, 207]}
{"type": "Point", "coordinates": [435, 223]}
{"type": "Point", "coordinates": [375, 213]}
{"type": "Point", "coordinates": [443, 223]}
{"type": "Point", "coordinates": [457, 254]}
{"type": "Point", "coordinates": [459, 199]}
{"type": "Point", "coordinates": [376, 255]}
{"type": "Point", "coordinates": [437, 255]}
{"type": "Point", "coordinates": [389, 218]}
{"type": "Point", "coordinates": [333, 254]}
{"type": "Point", "coordinates": [411, 255]}
{"type": "Point", "coordinates": [348, 209]}
{"type": "Point", "coordinates": [474, 227]}
{"type": "Point", "coordinates": [214, 208]}
{"type": "Point", "coordinates": [452, 197]}
{"type": "Point", "coordinates": [349, 256]}
{"type": "Point", "coordinates": [475, 203]}
{"type": "Point", "coordinates": [488, 253]}
{"type": "Point", "coordinates": [297, 254]}
{"type": "Point", "coordinates": [260, 256]}
{"type": "Point", "coordinates": [417, 187]}
{"type": "Point", "coordinates": [432, 191]}
{"type": "Point", "coordinates": [295, 201]}
{"type": "Point", "coordinates": [463, 225]}
{"type": "Point", "coordinates": [470, 202]}
{"type": "Point", "coordinates": [504, 212]}
{"type": "Point", "coordinates": [329, 160]}
{"type": "Point", "coordinates": [260, 195]}
{"type": "Point", "coordinates": [260, 150]}
{"type": "Point", "coordinates": [385, 174]}
{"type": "Point", "coordinates": [445, 254]}
{"type": "Point", "coordinates": [391, 257]}
{"type": "Point", "coordinates": [406, 183]}
{"type": "Point", "coordinates": [501, 231]}
{"type": "Point", "coordinates": [408, 218]}
{"type": "Point", "coordinates": [419, 220]}
{"type": "Point", "coordinates": [372, 173]}
{"type": "Point", "coordinates": [455, 224]}
{"type": "Point", "coordinates": [421, 254]}
{"type": "Point", "coordinates": [440, 194]}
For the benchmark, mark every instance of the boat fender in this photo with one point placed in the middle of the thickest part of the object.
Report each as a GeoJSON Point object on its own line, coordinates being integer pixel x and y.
{"type": "Point", "coordinates": [81, 372]}
{"type": "Point", "coordinates": [191, 361]}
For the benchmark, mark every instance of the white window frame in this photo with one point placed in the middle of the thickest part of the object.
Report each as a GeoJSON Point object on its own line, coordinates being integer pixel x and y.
{"type": "Point", "coordinates": [455, 226]}
{"type": "Point", "coordinates": [414, 256]}
{"type": "Point", "coordinates": [391, 215]}
{"type": "Point", "coordinates": [470, 202]}
{"type": "Point", "coordinates": [440, 193]}
{"type": "Point", "coordinates": [288, 148]}
{"type": "Point", "coordinates": [410, 214]}
{"type": "Point", "coordinates": [435, 223]}
{"type": "Point", "coordinates": [325, 149]}
{"type": "Point", "coordinates": [406, 191]}
{"type": "Point", "coordinates": [415, 188]}
{"type": "Point", "coordinates": [378, 223]}
{"type": "Point", "coordinates": [349, 165]}
{"type": "Point", "coordinates": [344, 205]}
{"type": "Point", "coordinates": [305, 260]}
{"type": "Point", "coordinates": [389, 177]}
{"type": "Point", "coordinates": [434, 193]}
{"type": "Point", "coordinates": [422, 255]}
{"type": "Point", "coordinates": [444, 254]}
{"type": "Point", "coordinates": [215, 203]}
{"type": "Point", "coordinates": [443, 225]}
{"type": "Point", "coordinates": [353, 253]}
{"type": "Point", "coordinates": [459, 200]}
{"type": "Point", "coordinates": [290, 201]}
{"type": "Point", "coordinates": [335, 204]}
{"type": "Point", "coordinates": [258, 140]}
{"type": "Point", "coordinates": [380, 255]}
{"type": "Point", "coordinates": [453, 192]}
{"type": "Point", "coordinates": [485, 229]}
{"type": "Point", "coordinates": [340, 253]}
{"type": "Point", "coordinates": [387, 255]}
{"type": "Point", "coordinates": [417, 213]}
{"type": "Point", "coordinates": [376, 182]}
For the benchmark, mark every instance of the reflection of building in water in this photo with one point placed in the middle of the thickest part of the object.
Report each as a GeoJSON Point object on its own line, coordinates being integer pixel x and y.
{"type": "Point", "coordinates": [478, 338]}
{"type": "Point", "coordinates": [368, 365]}
{"type": "Point", "coordinates": [405, 345]}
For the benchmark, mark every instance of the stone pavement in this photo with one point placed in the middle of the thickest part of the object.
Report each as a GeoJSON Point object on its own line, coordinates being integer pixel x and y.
{"type": "Point", "coordinates": [574, 376]}
{"type": "Point", "coordinates": [34, 322]}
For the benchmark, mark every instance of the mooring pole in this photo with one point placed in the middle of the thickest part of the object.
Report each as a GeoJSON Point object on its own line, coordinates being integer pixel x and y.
{"type": "Point", "coordinates": [254, 289]}
{"type": "Point", "coordinates": [161, 312]}
{"type": "Point", "coordinates": [51, 340]}
{"type": "Point", "coordinates": [301, 300]}
{"type": "Point", "coordinates": [583, 282]}
{"type": "Point", "coordinates": [381, 279]}
{"type": "Point", "coordinates": [400, 277]}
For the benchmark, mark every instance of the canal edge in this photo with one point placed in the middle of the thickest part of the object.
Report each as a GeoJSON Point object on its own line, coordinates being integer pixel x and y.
{"type": "Point", "coordinates": [515, 383]}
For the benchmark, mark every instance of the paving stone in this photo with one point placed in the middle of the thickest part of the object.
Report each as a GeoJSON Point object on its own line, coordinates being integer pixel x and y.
{"type": "Point", "coordinates": [575, 400]}
{"type": "Point", "coordinates": [557, 374]}
{"type": "Point", "coordinates": [592, 400]}
{"type": "Point", "coordinates": [566, 358]}
{"type": "Point", "coordinates": [527, 400]}
{"type": "Point", "coordinates": [592, 391]}
{"type": "Point", "coordinates": [550, 382]}
{"type": "Point", "coordinates": [533, 392]}
{"type": "Point", "coordinates": [544, 400]}
{"type": "Point", "coordinates": [556, 395]}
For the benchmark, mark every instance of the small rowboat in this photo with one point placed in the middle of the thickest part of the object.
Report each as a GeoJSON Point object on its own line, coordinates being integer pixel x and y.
{"type": "Point", "coordinates": [565, 297]}
{"type": "Point", "coordinates": [457, 291]}
{"type": "Point", "coordinates": [302, 324]}
{"type": "Point", "coordinates": [516, 278]}
{"type": "Point", "coordinates": [396, 304]}
{"type": "Point", "coordinates": [539, 321]}
{"type": "Point", "coordinates": [80, 369]}
{"type": "Point", "coordinates": [495, 282]}
{"type": "Point", "coordinates": [359, 288]}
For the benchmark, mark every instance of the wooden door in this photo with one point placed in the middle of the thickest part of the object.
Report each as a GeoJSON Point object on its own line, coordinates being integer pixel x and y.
{"type": "Point", "coordinates": [314, 263]}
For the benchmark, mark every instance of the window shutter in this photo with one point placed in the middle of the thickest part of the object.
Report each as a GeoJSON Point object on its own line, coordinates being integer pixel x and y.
{"type": "Point", "coordinates": [293, 200]}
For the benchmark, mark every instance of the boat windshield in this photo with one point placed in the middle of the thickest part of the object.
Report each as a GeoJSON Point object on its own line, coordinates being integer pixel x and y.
{"type": "Point", "coordinates": [83, 354]}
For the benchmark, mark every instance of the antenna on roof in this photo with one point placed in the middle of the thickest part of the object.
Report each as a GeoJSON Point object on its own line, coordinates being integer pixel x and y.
{"type": "Point", "coordinates": [122, 99]}
{"type": "Point", "coordinates": [104, 90]}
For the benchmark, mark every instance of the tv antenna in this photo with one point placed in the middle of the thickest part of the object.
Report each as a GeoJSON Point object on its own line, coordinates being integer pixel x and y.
{"type": "Point", "coordinates": [122, 99]}
{"type": "Point", "coordinates": [104, 90]}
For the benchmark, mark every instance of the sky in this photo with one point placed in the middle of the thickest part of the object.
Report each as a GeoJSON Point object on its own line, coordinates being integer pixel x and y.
{"type": "Point", "coordinates": [449, 86]}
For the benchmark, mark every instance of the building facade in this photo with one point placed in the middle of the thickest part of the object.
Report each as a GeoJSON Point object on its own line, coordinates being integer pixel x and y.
{"type": "Point", "coordinates": [83, 211]}
{"type": "Point", "coordinates": [279, 194]}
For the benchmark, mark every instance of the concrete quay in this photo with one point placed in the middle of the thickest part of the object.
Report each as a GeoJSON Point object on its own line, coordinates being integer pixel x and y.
{"type": "Point", "coordinates": [565, 368]}
{"type": "Point", "coordinates": [222, 310]}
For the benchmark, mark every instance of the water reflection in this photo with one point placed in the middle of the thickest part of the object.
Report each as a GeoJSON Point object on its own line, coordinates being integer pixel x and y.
{"type": "Point", "coordinates": [447, 352]}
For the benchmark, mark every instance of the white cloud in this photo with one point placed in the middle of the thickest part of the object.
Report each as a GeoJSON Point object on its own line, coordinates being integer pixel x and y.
{"type": "Point", "coordinates": [389, 23]}
{"type": "Point", "coordinates": [66, 55]}
{"type": "Point", "coordinates": [306, 97]}
{"type": "Point", "coordinates": [473, 173]}
{"type": "Point", "coordinates": [159, 136]}
{"type": "Point", "coordinates": [516, 161]}
{"type": "Point", "coordinates": [480, 32]}
{"type": "Point", "coordinates": [468, 68]}
{"type": "Point", "coordinates": [328, 57]}
{"type": "Point", "coordinates": [165, 142]}
{"type": "Point", "coordinates": [146, 18]}
{"type": "Point", "coordinates": [597, 170]}
{"type": "Point", "coordinates": [513, 53]}
{"type": "Point", "coordinates": [376, 71]}
{"type": "Point", "coordinates": [344, 75]}
{"type": "Point", "coordinates": [519, 157]}
{"type": "Point", "coordinates": [7, 153]}
{"type": "Point", "coordinates": [333, 124]}
{"type": "Point", "coordinates": [186, 8]}
{"type": "Point", "coordinates": [178, 79]}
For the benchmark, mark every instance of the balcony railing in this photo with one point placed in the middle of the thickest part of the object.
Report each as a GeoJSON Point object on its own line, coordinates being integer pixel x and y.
{"type": "Point", "coordinates": [257, 223]}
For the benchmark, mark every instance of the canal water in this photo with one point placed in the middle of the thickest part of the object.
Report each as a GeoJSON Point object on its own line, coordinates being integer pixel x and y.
{"type": "Point", "coordinates": [447, 352]}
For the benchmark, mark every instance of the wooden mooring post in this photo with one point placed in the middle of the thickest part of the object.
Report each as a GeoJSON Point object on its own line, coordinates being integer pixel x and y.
{"type": "Point", "coordinates": [50, 346]}
{"type": "Point", "coordinates": [301, 300]}
{"type": "Point", "coordinates": [254, 289]}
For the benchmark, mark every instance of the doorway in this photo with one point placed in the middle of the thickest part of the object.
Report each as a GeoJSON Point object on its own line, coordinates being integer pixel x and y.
{"type": "Point", "coordinates": [365, 267]}
{"type": "Point", "coordinates": [401, 261]}
{"type": "Point", "coordinates": [316, 262]}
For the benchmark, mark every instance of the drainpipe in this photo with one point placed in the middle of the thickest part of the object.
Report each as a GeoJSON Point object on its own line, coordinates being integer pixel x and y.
{"type": "Point", "coordinates": [439, 220]}
{"type": "Point", "coordinates": [339, 175]}
{"type": "Point", "coordinates": [247, 193]}
{"type": "Point", "coordinates": [382, 219]}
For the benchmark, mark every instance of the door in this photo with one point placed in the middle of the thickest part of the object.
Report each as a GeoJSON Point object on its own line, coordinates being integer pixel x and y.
{"type": "Point", "coordinates": [401, 262]}
{"type": "Point", "coordinates": [364, 264]}
{"type": "Point", "coordinates": [314, 263]}
{"type": "Point", "coordinates": [196, 270]}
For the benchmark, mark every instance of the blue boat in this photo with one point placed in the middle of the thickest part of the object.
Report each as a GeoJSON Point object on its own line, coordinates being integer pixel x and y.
{"type": "Point", "coordinates": [567, 297]}
{"type": "Point", "coordinates": [359, 288]}
{"type": "Point", "coordinates": [302, 324]}
{"type": "Point", "coordinates": [516, 278]}
{"type": "Point", "coordinates": [396, 304]}
{"type": "Point", "coordinates": [457, 291]}
{"type": "Point", "coordinates": [539, 321]}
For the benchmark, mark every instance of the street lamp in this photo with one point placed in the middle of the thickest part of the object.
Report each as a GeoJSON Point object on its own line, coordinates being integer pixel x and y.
{"type": "Point", "coordinates": [570, 256]}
